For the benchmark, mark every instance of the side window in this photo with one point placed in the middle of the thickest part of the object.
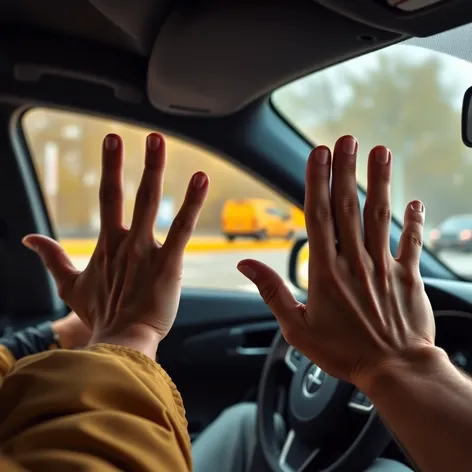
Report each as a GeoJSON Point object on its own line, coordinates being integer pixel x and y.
{"type": "Point", "coordinates": [65, 149]}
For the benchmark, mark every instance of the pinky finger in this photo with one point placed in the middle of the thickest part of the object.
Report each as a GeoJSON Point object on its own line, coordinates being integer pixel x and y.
{"type": "Point", "coordinates": [184, 223]}
{"type": "Point", "coordinates": [411, 241]}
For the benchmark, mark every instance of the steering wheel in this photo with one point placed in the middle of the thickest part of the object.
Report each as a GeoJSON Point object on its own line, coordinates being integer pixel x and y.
{"type": "Point", "coordinates": [333, 427]}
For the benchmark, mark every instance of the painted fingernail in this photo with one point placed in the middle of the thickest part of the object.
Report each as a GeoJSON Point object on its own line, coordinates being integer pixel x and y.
{"type": "Point", "coordinates": [153, 142]}
{"type": "Point", "coordinates": [199, 180]}
{"type": "Point", "coordinates": [322, 155]}
{"type": "Point", "coordinates": [349, 145]}
{"type": "Point", "coordinates": [247, 271]}
{"type": "Point", "coordinates": [382, 155]}
{"type": "Point", "coordinates": [111, 142]}
{"type": "Point", "coordinates": [417, 206]}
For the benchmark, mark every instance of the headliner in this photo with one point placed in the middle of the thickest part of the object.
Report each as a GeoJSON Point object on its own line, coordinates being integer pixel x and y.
{"type": "Point", "coordinates": [198, 58]}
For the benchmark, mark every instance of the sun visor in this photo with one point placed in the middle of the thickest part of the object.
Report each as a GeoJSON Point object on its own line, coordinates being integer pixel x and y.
{"type": "Point", "coordinates": [213, 58]}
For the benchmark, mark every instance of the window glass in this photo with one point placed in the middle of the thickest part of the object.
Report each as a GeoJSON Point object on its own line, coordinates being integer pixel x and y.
{"type": "Point", "coordinates": [65, 149]}
{"type": "Point", "coordinates": [408, 98]}
{"type": "Point", "coordinates": [457, 222]}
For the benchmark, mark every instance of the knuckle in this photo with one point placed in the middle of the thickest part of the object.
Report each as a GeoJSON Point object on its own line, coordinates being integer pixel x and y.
{"type": "Point", "coordinates": [133, 250]}
{"type": "Point", "coordinates": [323, 213]}
{"type": "Point", "coordinates": [416, 217]}
{"type": "Point", "coordinates": [414, 238]}
{"type": "Point", "coordinates": [184, 224]}
{"type": "Point", "coordinates": [146, 195]}
{"type": "Point", "coordinates": [412, 279]}
{"type": "Point", "coordinates": [269, 292]}
{"type": "Point", "coordinates": [382, 213]}
{"type": "Point", "coordinates": [349, 205]}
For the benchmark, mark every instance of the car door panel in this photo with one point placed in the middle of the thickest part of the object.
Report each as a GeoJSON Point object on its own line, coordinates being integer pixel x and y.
{"type": "Point", "coordinates": [216, 351]}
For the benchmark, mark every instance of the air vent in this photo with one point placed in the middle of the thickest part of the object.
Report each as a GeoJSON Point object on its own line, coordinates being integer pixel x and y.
{"type": "Point", "coordinates": [412, 5]}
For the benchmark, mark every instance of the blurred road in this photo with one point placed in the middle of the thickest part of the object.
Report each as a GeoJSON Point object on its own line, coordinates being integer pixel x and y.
{"type": "Point", "coordinates": [218, 269]}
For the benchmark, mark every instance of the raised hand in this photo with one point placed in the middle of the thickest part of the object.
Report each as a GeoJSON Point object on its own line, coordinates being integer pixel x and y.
{"type": "Point", "coordinates": [130, 291]}
{"type": "Point", "coordinates": [365, 309]}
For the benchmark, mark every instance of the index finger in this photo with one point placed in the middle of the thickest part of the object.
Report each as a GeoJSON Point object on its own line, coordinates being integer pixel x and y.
{"type": "Point", "coordinates": [184, 223]}
{"type": "Point", "coordinates": [318, 213]}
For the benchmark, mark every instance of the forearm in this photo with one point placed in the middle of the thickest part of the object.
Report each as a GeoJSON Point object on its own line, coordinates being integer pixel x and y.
{"type": "Point", "coordinates": [427, 403]}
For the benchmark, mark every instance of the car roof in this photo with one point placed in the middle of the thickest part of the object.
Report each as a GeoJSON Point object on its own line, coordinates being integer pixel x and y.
{"type": "Point", "coordinates": [198, 58]}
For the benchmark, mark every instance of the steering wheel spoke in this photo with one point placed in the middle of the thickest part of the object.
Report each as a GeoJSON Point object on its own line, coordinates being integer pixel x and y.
{"type": "Point", "coordinates": [295, 456]}
{"type": "Point", "coordinates": [293, 358]}
{"type": "Point", "coordinates": [312, 402]}
{"type": "Point", "coordinates": [359, 402]}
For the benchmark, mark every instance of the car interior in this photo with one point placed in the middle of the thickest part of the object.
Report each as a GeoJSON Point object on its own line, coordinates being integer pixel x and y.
{"type": "Point", "coordinates": [203, 72]}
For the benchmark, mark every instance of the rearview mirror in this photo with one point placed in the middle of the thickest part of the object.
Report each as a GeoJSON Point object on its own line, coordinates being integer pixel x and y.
{"type": "Point", "coordinates": [298, 263]}
{"type": "Point", "coordinates": [467, 118]}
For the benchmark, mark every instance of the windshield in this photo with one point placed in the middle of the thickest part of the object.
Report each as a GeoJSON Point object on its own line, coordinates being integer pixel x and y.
{"type": "Point", "coordinates": [408, 98]}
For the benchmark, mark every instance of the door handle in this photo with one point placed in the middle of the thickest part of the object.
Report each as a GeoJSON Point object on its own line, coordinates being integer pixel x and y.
{"type": "Point", "coordinates": [249, 351]}
{"type": "Point", "coordinates": [254, 340]}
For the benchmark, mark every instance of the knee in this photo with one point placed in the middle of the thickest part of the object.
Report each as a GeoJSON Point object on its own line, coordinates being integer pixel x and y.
{"type": "Point", "coordinates": [241, 412]}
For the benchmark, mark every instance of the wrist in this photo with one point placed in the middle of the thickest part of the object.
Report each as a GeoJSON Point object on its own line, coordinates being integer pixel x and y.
{"type": "Point", "coordinates": [64, 336]}
{"type": "Point", "coordinates": [419, 362]}
{"type": "Point", "coordinates": [139, 337]}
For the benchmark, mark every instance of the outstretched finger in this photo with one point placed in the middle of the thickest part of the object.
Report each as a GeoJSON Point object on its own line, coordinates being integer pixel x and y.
{"type": "Point", "coordinates": [184, 223]}
{"type": "Point", "coordinates": [111, 184]}
{"type": "Point", "coordinates": [150, 188]}
{"type": "Point", "coordinates": [411, 241]}
{"type": "Point", "coordinates": [273, 291]}
{"type": "Point", "coordinates": [345, 200]}
{"type": "Point", "coordinates": [54, 259]}
{"type": "Point", "coordinates": [377, 206]}
{"type": "Point", "coordinates": [318, 214]}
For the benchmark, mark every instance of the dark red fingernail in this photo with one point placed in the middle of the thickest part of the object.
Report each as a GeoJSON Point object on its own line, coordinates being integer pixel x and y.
{"type": "Point", "coordinates": [153, 142]}
{"type": "Point", "coordinates": [349, 145]}
{"type": "Point", "coordinates": [111, 142]}
{"type": "Point", "coordinates": [322, 155]}
{"type": "Point", "coordinates": [247, 271]}
{"type": "Point", "coordinates": [417, 206]}
{"type": "Point", "coordinates": [199, 180]}
{"type": "Point", "coordinates": [382, 155]}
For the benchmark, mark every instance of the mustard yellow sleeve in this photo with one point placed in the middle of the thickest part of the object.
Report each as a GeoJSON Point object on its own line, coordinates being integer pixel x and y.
{"type": "Point", "coordinates": [106, 408]}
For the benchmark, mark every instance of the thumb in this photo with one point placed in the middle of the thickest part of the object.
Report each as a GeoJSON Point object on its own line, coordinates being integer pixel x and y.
{"type": "Point", "coordinates": [53, 256]}
{"type": "Point", "coordinates": [272, 288]}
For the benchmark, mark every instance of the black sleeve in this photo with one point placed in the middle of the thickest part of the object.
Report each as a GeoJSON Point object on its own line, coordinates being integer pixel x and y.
{"type": "Point", "coordinates": [31, 340]}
